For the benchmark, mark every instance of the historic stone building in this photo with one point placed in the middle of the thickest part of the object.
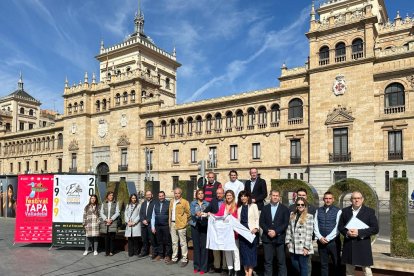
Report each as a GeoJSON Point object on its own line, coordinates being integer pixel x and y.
{"type": "Point", "coordinates": [347, 113]}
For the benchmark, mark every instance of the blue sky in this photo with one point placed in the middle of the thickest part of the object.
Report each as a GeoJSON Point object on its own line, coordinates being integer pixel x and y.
{"type": "Point", "coordinates": [225, 46]}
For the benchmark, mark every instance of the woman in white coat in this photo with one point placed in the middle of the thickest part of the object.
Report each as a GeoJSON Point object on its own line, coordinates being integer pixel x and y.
{"type": "Point", "coordinates": [133, 225]}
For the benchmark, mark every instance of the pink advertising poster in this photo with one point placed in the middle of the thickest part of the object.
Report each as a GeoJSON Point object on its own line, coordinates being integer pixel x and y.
{"type": "Point", "coordinates": [34, 208]}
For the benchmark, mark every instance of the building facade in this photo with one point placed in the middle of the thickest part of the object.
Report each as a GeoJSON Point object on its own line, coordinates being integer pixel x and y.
{"type": "Point", "coordinates": [347, 113]}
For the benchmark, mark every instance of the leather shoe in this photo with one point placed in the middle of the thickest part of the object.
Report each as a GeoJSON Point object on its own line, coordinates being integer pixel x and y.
{"type": "Point", "coordinates": [171, 262]}
{"type": "Point", "coordinates": [142, 254]}
{"type": "Point", "coordinates": [156, 259]}
{"type": "Point", "coordinates": [184, 264]}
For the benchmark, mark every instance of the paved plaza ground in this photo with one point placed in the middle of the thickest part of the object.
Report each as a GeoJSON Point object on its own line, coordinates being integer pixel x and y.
{"type": "Point", "coordinates": [38, 260]}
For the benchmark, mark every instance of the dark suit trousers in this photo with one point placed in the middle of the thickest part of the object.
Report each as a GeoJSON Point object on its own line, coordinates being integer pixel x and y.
{"type": "Point", "coordinates": [199, 235]}
{"type": "Point", "coordinates": [148, 239]}
{"type": "Point", "coordinates": [133, 246]}
{"type": "Point", "coordinates": [164, 241]}
{"type": "Point", "coordinates": [331, 249]}
{"type": "Point", "coordinates": [270, 250]}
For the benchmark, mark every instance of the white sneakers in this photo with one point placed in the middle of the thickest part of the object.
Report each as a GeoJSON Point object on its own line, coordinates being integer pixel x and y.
{"type": "Point", "coordinates": [95, 253]}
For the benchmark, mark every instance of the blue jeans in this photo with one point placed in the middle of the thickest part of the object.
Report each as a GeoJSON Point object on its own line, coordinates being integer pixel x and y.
{"type": "Point", "coordinates": [300, 264]}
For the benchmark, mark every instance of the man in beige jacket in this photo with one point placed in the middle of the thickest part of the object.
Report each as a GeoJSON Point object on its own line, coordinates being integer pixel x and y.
{"type": "Point", "coordinates": [179, 215]}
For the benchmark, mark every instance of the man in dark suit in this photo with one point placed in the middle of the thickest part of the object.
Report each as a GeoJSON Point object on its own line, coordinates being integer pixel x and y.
{"type": "Point", "coordinates": [274, 220]}
{"type": "Point", "coordinates": [357, 249]}
{"type": "Point", "coordinates": [145, 215]}
{"type": "Point", "coordinates": [257, 188]}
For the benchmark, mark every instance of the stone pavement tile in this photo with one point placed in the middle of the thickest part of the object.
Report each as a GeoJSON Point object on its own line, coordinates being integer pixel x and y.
{"type": "Point", "coordinates": [38, 260]}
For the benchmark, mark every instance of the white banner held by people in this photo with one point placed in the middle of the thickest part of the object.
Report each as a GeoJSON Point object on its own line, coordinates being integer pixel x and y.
{"type": "Point", "coordinates": [220, 233]}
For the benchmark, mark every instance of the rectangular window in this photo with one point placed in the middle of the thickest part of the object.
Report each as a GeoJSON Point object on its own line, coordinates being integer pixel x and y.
{"type": "Point", "coordinates": [74, 161]}
{"type": "Point", "coordinates": [175, 180]}
{"type": "Point", "coordinates": [21, 126]}
{"type": "Point", "coordinates": [256, 150]}
{"type": "Point", "coordinates": [148, 159]}
{"type": "Point", "coordinates": [36, 166]}
{"type": "Point", "coordinates": [27, 166]}
{"type": "Point", "coordinates": [11, 167]}
{"type": "Point", "coordinates": [395, 147]}
{"type": "Point", "coordinates": [30, 126]}
{"type": "Point", "coordinates": [175, 156]}
{"type": "Point", "coordinates": [212, 157]}
{"type": "Point", "coordinates": [233, 152]}
{"type": "Point", "coordinates": [124, 157]}
{"type": "Point", "coordinates": [339, 175]}
{"type": "Point", "coordinates": [193, 179]}
{"type": "Point", "coordinates": [45, 165]}
{"type": "Point", "coordinates": [60, 165]}
{"type": "Point", "coordinates": [340, 145]}
{"type": "Point", "coordinates": [193, 155]}
{"type": "Point", "coordinates": [19, 166]}
{"type": "Point", "coordinates": [295, 152]}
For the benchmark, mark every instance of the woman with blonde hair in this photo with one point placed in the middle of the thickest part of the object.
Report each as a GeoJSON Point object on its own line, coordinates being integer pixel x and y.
{"type": "Point", "coordinates": [299, 236]}
{"type": "Point", "coordinates": [230, 208]}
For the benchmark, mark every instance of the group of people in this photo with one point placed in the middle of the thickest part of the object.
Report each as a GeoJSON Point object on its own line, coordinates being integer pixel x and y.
{"type": "Point", "coordinates": [163, 224]}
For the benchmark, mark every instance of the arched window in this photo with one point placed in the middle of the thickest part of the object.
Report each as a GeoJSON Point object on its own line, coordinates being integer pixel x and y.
{"type": "Point", "coordinates": [163, 128]}
{"type": "Point", "coordinates": [218, 122]}
{"type": "Point", "coordinates": [357, 49]}
{"type": "Point", "coordinates": [21, 110]}
{"type": "Point", "coordinates": [190, 125]}
{"type": "Point", "coordinates": [395, 174]}
{"type": "Point", "coordinates": [239, 120]}
{"type": "Point", "coordinates": [125, 97]}
{"type": "Point", "coordinates": [387, 180]}
{"type": "Point", "coordinates": [81, 106]}
{"type": "Point", "coordinates": [250, 118]}
{"type": "Point", "coordinates": [295, 109]}
{"type": "Point", "coordinates": [340, 52]}
{"type": "Point", "coordinates": [199, 124]}
{"type": "Point", "coordinates": [75, 107]}
{"type": "Point", "coordinates": [289, 176]}
{"type": "Point", "coordinates": [172, 127]}
{"type": "Point", "coordinates": [143, 93]}
{"type": "Point", "coordinates": [295, 176]}
{"type": "Point", "coordinates": [69, 108]}
{"type": "Point", "coordinates": [404, 174]}
{"type": "Point", "coordinates": [117, 98]}
{"type": "Point", "coordinates": [394, 98]}
{"type": "Point", "coordinates": [149, 129]}
{"type": "Point", "coordinates": [275, 115]}
{"type": "Point", "coordinates": [229, 120]}
{"type": "Point", "coordinates": [262, 117]}
{"type": "Point", "coordinates": [31, 112]}
{"type": "Point", "coordinates": [167, 83]}
{"type": "Point", "coordinates": [98, 105]}
{"type": "Point", "coordinates": [209, 123]}
{"type": "Point", "coordinates": [180, 126]}
{"type": "Point", "coordinates": [324, 55]}
{"type": "Point", "coordinates": [104, 104]}
{"type": "Point", "coordinates": [133, 96]}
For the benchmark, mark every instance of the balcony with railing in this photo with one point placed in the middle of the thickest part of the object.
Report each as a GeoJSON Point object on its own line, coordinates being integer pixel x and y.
{"type": "Point", "coordinates": [73, 169]}
{"type": "Point", "coordinates": [274, 124]}
{"type": "Point", "coordinates": [239, 128]}
{"type": "Point", "coordinates": [395, 155]}
{"type": "Point", "coordinates": [339, 157]}
{"type": "Point", "coordinates": [295, 160]}
{"type": "Point", "coordinates": [229, 129]}
{"type": "Point", "coordinates": [250, 127]}
{"type": "Point", "coordinates": [122, 168]}
{"type": "Point", "coordinates": [262, 125]}
{"type": "Point", "coordinates": [394, 109]}
{"type": "Point", "coordinates": [295, 121]}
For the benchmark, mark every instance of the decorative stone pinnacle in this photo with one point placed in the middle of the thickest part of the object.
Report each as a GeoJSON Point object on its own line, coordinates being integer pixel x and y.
{"type": "Point", "coordinates": [66, 82]}
{"type": "Point", "coordinates": [85, 79]}
{"type": "Point", "coordinates": [313, 11]}
{"type": "Point", "coordinates": [398, 15]}
{"type": "Point", "coordinates": [93, 78]}
{"type": "Point", "coordinates": [174, 52]}
{"type": "Point", "coordinates": [20, 82]}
